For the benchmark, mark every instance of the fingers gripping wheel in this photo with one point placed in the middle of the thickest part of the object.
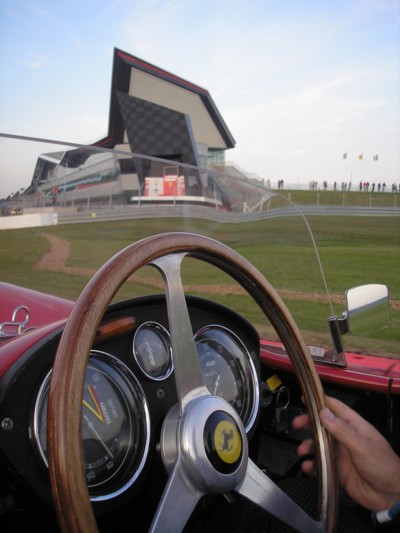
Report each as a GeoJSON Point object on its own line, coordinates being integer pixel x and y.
{"type": "Point", "coordinates": [222, 445]}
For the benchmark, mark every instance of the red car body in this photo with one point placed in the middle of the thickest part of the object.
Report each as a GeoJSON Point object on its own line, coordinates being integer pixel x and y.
{"type": "Point", "coordinates": [48, 313]}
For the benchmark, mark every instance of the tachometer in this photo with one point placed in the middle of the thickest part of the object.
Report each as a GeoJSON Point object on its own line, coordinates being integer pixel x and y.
{"type": "Point", "coordinates": [228, 370]}
{"type": "Point", "coordinates": [115, 426]}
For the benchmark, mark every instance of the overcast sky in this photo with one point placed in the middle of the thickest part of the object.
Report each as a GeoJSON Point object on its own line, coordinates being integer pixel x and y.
{"type": "Point", "coordinates": [298, 82]}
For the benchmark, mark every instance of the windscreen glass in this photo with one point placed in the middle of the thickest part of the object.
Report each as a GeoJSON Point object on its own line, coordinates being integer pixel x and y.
{"type": "Point", "coordinates": [82, 204]}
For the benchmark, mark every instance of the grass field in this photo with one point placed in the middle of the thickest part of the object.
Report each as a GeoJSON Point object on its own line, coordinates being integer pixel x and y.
{"type": "Point", "coordinates": [353, 250]}
{"type": "Point", "coordinates": [354, 198]}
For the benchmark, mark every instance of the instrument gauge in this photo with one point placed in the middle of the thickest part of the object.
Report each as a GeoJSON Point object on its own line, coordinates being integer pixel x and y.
{"type": "Point", "coordinates": [152, 350]}
{"type": "Point", "coordinates": [228, 370]}
{"type": "Point", "coordinates": [115, 426]}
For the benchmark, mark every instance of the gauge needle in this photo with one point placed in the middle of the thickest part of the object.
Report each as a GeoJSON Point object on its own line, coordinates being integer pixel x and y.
{"type": "Point", "coordinates": [96, 434]}
{"type": "Point", "coordinates": [216, 384]}
{"type": "Point", "coordinates": [96, 410]}
{"type": "Point", "coordinates": [151, 357]}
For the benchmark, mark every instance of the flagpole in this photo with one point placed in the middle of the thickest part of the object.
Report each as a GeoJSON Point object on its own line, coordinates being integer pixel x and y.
{"type": "Point", "coordinates": [376, 160]}
{"type": "Point", "coordinates": [345, 185]}
{"type": "Point", "coordinates": [362, 178]}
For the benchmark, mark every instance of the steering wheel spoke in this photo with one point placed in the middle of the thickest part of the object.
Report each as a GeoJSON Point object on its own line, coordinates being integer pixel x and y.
{"type": "Point", "coordinates": [260, 489]}
{"type": "Point", "coordinates": [170, 516]}
{"type": "Point", "coordinates": [188, 374]}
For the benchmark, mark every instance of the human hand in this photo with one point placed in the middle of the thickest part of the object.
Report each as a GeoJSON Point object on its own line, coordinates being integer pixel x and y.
{"type": "Point", "coordinates": [368, 468]}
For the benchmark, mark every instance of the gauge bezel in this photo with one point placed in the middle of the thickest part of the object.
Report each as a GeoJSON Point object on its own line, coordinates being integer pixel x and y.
{"type": "Point", "coordinates": [251, 387]}
{"type": "Point", "coordinates": [165, 337]}
{"type": "Point", "coordinates": [119, 374]}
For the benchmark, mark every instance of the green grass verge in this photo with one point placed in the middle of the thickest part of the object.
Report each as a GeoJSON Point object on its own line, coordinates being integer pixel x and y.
{"type": "Point", "coordinates": [359, 249]}
{"type": "Point", "coordinates": [353, 198]}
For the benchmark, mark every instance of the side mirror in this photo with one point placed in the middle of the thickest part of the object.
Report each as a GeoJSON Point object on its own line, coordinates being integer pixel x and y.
{"type": "Point", "coordinates": [367, 308]}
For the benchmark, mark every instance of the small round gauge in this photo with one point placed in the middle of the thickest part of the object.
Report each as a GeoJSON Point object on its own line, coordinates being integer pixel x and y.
{"type": "Point", "coordinates": [228, 370]}
{"type": "Point", "coordinates": [152, 350]}
{"type": "Point", "coordinates": [115, 426]}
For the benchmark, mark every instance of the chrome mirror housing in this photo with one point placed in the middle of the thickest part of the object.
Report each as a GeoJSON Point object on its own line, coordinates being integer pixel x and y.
{"type": "Point", "coordinates": [367, 308]}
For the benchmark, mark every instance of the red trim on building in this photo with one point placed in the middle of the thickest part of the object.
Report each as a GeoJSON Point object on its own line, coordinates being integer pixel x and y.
{"type": "Point", "coordinates": [160, 72]}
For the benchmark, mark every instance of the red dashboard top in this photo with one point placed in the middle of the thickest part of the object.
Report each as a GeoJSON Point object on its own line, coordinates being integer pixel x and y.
{"type": "Point", "coordinates": [379, 374]}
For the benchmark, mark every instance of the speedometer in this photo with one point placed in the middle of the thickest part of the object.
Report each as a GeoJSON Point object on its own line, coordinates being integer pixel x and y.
{"type": "Point", "coordinates": [228, 370]}
{"type": "Point", "coordinates": [115, 426]}
{"type": "Point", "coordinates": [221, 371]}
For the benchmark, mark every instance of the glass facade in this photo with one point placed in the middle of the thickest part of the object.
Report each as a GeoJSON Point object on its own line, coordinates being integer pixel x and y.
{"type": "Point", "coordinates": [216, 158]}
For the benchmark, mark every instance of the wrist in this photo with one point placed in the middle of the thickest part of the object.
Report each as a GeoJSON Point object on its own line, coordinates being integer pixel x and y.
{"type": "Point", "coordinates": [396, 492]}
{"type": "Point", "coordinates": [388, 515]}
{"type": "Point", "coordinates": [392, 489]}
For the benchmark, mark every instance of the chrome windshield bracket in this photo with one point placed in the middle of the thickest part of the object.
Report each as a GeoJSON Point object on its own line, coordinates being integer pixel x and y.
{"type": "Point", "coordinates": [15, 327]}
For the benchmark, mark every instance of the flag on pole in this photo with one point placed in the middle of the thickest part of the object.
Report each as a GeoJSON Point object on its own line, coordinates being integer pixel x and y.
{"type": "Point", "coordinates": [345, 155]}
{"type": "Point", "coordinates": [375, 158]}
{"type": "Point", "coordinates": [360, 157]}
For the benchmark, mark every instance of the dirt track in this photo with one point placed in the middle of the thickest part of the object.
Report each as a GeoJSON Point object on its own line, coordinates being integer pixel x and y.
{"type": "Point", "coordinates": [55, 260]}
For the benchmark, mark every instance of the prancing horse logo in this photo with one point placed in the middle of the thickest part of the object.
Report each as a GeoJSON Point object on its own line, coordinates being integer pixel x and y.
{"type": "Point", "coordinates": [227, 436]}
{"type": "Point", "coordinates": [227, 441]}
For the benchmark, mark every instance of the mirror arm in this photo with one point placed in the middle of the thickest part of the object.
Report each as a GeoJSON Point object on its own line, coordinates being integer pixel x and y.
{"type": "Point", "coordinates": [335, 356]}
{"type": "Point", "coordinates": [337, 328]}
{"type": "Point", "coordinates": [344, 323]}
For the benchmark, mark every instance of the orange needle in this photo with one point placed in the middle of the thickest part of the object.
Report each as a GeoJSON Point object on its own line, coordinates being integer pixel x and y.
{"type": "Point", "coordinates": [97, 411]}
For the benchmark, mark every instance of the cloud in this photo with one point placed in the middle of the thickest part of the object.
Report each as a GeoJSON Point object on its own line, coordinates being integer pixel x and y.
{"type": "Point", "coordinates": [369, 8]}
{"type": "Point", "coordinates": [36, 64]}
{"type": "Point", "coordinates": [174, 5]}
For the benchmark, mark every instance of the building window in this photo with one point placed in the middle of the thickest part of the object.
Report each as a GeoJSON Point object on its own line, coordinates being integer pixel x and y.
{"type": "Point", "coordinates": [216, 158]}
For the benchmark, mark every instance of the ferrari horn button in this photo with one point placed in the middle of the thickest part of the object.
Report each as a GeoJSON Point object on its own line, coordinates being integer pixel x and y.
{"type": "Point", "coordinates": [223, 442]}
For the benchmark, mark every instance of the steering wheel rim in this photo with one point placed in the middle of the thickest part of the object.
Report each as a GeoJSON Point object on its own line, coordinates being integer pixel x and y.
{"type": "Point", "coordinates": [69, 488]}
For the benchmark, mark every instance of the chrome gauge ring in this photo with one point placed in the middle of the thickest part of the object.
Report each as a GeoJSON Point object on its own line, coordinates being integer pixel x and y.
{"type": "Point", "coordinates": [228, 370]}
{"type": "Point", "coordinates": [152, 350]}
{"type": "Point", "coordinates": [115, 426]}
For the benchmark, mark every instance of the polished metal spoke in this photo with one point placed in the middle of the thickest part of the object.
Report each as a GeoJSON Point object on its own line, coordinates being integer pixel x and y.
{"type": "Point", "coordinates": [188, 374]}
{"type": "Point", "coordinates": [260, 489]}
{"type": "Point", "coordinates": [177, 502]}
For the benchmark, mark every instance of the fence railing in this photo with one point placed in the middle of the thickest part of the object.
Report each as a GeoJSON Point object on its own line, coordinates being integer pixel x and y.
{"type": "Point", "coordinates": [340, 199]}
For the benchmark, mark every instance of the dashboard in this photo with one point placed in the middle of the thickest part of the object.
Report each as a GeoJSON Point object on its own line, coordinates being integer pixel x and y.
{"type": "Point", "coordinates": [128, 389]}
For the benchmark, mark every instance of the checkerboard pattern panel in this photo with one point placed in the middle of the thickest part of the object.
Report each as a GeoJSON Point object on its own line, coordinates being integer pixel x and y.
{"type": "Point", "coordinates": [156, 130]}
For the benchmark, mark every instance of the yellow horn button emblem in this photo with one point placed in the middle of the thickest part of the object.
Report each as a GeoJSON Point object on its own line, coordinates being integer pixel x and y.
{"type": "Point", "coordinates": [227, 442]}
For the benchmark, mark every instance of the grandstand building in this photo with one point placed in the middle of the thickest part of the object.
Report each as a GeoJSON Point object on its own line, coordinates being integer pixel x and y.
{"type": "Point", "coordinates": [153, 113]}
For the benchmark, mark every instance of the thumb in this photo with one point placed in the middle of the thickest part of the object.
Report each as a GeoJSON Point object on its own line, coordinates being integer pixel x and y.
{"type": "Point", "coordinates": [341, 430]}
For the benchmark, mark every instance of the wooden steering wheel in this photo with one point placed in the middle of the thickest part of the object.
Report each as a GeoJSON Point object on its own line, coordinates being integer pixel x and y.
{"type": "Point", "coordinates": [193, 469]}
